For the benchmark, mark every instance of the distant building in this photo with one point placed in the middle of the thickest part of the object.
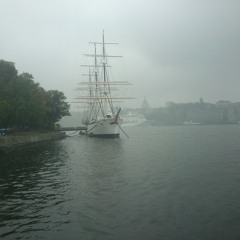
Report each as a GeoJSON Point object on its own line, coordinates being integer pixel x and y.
{"type": "Point", "coordinates": [145, 106]}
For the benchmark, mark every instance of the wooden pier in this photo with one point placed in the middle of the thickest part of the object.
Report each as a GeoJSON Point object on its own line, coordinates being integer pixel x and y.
{"type": "Point", "coordinates": [72, 128]}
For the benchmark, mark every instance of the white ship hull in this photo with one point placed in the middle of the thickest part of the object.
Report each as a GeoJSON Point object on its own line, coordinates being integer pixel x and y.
{"type": "Point", "coordinates": [103, 129]}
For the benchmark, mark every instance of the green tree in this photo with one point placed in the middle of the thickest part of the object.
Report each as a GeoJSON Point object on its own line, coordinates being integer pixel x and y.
{"type": "Point", "coordinates": [24, 103]}
{"type": "Point", "coordinates": [56, 107]}
{"type": "Point", "coordinates": [8, 72]}
{"type": "Point", "coordinates": [5, 113]}
{"type": "Point", "coordinates": [24, 95]}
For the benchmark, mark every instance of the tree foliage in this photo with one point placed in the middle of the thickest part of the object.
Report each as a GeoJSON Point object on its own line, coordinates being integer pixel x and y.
{"type": "Point", "coordinates": [8, 72]}
{"type": "Point", "coordinates": [25, 104]}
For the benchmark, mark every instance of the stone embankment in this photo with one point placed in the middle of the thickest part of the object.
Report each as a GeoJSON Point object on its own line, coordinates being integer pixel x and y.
{"type": "Point", "coordinates": [9, 143]}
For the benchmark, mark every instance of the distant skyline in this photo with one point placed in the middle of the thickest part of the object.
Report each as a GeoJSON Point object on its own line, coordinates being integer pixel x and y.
{"type": "Point", "coordinates": [177, 51]}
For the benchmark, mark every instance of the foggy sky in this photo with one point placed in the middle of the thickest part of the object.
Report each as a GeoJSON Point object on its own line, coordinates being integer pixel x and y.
{"type": "Point", "coordinates": [174, 50]}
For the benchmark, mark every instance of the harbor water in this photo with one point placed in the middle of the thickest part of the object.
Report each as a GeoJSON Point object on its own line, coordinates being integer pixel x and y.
{"type": "Point", "coordinates": [179, 182]}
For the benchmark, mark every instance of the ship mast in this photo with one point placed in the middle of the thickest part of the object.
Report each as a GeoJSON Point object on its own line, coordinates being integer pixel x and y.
{"type": "Point", "coordinates": [100, 99]}
{"type": "Point", "coordinates": [104, 75]}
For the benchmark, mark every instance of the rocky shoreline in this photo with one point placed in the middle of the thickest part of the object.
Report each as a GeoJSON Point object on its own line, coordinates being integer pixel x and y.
{"type": "Point", "coordinates": [9, 143]}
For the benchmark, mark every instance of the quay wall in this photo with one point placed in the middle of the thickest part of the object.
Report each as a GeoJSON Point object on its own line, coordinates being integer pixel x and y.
{"type": "Point", "coordinates": [9, 143]}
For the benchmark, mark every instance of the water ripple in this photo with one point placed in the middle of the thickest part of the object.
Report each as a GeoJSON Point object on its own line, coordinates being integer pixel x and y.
{"type": "Point", "coordinates": [162, 183]}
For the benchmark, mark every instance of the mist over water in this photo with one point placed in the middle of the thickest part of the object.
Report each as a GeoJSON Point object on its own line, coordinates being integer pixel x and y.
{"type": "Point", "coordinates": [162, 183]}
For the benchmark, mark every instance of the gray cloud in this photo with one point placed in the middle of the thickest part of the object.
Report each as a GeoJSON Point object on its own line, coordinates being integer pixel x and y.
{"type": "Point", "coordinates": [174, 50]}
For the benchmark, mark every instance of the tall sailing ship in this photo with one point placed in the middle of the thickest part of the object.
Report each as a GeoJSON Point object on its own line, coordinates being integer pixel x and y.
{"type": "Point", "coordinates": [101, 117]}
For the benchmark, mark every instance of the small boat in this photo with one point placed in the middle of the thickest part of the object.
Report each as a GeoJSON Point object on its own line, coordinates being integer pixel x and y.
{"type": "Point", "coordinates": [101, 117]}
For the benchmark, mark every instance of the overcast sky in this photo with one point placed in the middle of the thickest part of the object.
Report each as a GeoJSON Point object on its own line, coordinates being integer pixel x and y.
{"type": "Point", "coordinates": [174, 50]}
